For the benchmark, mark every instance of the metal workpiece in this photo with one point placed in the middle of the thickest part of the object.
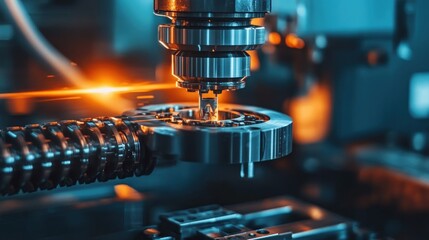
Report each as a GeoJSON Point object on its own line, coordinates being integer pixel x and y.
{"type": "Point", "coordinates": [39, 157]}
{"type": "Point", "coordinates": [242, 135]}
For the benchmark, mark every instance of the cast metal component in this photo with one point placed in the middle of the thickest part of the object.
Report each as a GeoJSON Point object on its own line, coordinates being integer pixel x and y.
{"type": "Point", "coordinates": [242, 135]}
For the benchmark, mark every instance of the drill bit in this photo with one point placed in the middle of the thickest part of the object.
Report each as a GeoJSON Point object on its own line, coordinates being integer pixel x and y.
{"type": "Point", "coordinates": [208, 107]}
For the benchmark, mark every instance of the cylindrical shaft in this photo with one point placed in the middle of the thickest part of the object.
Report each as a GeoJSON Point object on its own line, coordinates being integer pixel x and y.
{"type": "Point", "coordinates": [64, 154]}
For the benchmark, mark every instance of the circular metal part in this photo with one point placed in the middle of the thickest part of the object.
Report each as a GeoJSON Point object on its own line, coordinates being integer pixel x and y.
{"type": "Point", "coordinates": [242, 135]}
{"type": "Point", "coordinates": [211, 39]}
{"type": "Point", "coordinates": [205, 85]}
{"type": "Point", "coordinates": [211, 71]}
{"type": "Point", "coordinates": [213, 8]}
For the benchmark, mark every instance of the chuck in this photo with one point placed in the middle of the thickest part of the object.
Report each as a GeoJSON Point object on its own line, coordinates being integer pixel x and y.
{"type": "Point", "coordinates": [209, 40]}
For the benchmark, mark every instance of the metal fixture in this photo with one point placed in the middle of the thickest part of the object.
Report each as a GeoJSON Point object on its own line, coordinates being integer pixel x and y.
{"type": "Point", "coordinates": [209, 39]}
{"type": "Point", "coordinates": [274, 218]}
{"type": "Point", "coordinates": [70, 152]}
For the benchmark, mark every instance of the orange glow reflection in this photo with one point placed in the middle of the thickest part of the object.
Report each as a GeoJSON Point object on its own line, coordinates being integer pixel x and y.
{"type": "Point", "coordinates": [19, 106]}
{"type": "Point", "coordinates": [127, 193]}
{"type": "Point", "coordinates": [316, 213]}
{"type": "Point", "coordinates": [294, 41]}
{"type": "Point", "coordinates": [146, 97]}
{"type": "Point", "coordinates": [311, 115]}
{"type": "Point", "coordinates": [258, 21]}
{"type": "Point", "coordinates": [373, 58]}
{"type": "Point", "coordinates": [405, 193]}
{"type": "Point", "coordinates": [274, 38]}
{"type": "Point", "coordinates": [255, 64]}
{"type": "Point", "coordinates": [60, 99]}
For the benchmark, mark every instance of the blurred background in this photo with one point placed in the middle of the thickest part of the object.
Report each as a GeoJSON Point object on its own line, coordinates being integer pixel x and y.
{"type": "Point", "coordinates": [353, 75]}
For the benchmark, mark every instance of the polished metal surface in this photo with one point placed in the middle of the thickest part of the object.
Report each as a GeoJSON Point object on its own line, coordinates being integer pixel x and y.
{"type": "Point", "coordinates": [242, 134]}
{"type": "Point", "coordinates": [211, 84]}
{"type": "Point", "coordinates": [70, 152]}
{"type": "Point", "coordinates": [45, 156]}
{"type": "Point", "coordinates": [248, 8]}
{"type": "Point", "coordinates": [217, 67]}
{"type": "Point", "coordinates": [208, 106]}
{"type": "Point", "coordinates": [211, 39]}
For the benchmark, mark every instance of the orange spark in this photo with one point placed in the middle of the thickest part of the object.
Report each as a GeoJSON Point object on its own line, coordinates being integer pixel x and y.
{"type": "Point", "coordinates": [146, 97]}
{"type": "Point", "coordinates": [88, 91]}
{"type": "Point", "coordinates": [127, 193]}
{"type": "Point", "coordinates": [60, 99]}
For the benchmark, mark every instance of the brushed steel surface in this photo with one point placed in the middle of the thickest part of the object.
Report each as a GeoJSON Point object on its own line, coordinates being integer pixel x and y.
{"type": "Point", "coordinates": [211, 39]}
{"type": "Point", "coordinates": [212, 6]}
{"type": "Point", "coordinates": [209, 27]}
{"type": "Point", "coordinates": [246, 143]}
{"type": "Point", "coordinates": [188, 65]}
